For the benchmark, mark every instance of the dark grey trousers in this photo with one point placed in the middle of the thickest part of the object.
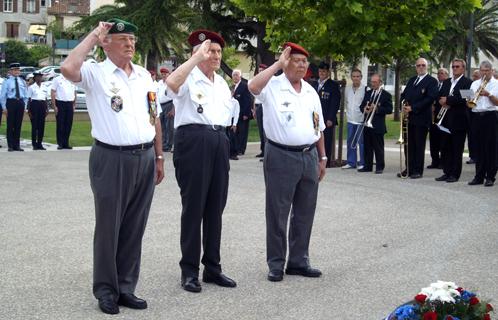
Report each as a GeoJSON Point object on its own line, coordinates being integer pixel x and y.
{"type": "Point", "coordinates": [123, 185]}
{"type": "Point", "coordinates": [167, 124]}
{"type": "Point", "coordinates": [291, 180]}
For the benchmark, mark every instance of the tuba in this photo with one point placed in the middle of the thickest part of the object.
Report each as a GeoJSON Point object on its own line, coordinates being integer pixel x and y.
{"type": "Point", "coordinates": [473, 103]}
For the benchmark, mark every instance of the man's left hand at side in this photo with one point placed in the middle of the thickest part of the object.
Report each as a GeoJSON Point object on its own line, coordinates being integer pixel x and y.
{"type": "Point", "coordinates": [322, 169]}
{"type": "Point", "coordinates": [159, 170]}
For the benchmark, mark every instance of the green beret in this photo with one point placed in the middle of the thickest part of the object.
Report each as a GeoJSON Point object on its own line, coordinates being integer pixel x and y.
{"type": "Point", "coordinates": [121, 26]}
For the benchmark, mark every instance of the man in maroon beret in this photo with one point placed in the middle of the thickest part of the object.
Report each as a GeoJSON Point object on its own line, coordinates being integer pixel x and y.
{"type": "Point", "coordinates": [294, 160]}
{"type": "Point", "coordinates": [203, 106]}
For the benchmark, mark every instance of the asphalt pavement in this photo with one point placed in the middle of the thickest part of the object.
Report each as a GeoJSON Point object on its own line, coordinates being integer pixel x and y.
{"type": "Point", "coordinates": [377, 239]}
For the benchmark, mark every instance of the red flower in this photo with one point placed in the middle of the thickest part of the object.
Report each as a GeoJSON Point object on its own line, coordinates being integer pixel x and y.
{"type": "Point", "coordinates": [420, 298]}
{"type": "Point", "coordinates": [487, 317]}
{"type": "Point", "coordinates": [489, 308]}
{"type": "Point", "coordinates": [460, 289]}
{"type": "Point", "coordinates": [448, 318]}
{"type": "Point", "coordinates": [473, 301]}
{"type": "Point", "coordinates": [431, 315]}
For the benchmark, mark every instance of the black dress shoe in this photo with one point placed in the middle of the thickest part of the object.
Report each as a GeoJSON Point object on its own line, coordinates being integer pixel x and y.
{"type": "Point", "coordinates": [36, 148]}
{"type": "Point", "coordinates": [379, 171]}
{"type": "Point", "coordinates": [131, 301]}
{"type": "Point", "coordinates": [433, 166]}
{"type": "Point", "coordinates": [305, 272]}
{"type": "Point", "coordinates": [475, 182]}
{"type": "Point", "coordinates": [404, 174]}
{"type": "Point", "coordinates": [68, 147]}
{"type": "Point", "coordinates": [108, 305]}
{"type": "Point", "coordinates": [219, 279]}
{"type": "Point", "coordinates": [60, 147]}
{"type": "Point", "coordinates": [275, 275]}
{"type": "Point", "coordinates": [470, 161]}
{"type": "Point", "coordinates": [416, 176]}
{"type": "Point", "coordinates": [19, 149]}
{"type": "Point", "coordinates": [41, 148]}
{"type": "Point", "coordinates": [191, 284]}
{"type": "Point", "coordinates": [10, 150]}
{"type": "Point", "coordinates": [489, 183]}
{"type": "Point", "coordinates": [442, 178]}
{"type": "Point", "coordinates": [260, 155]}
{"type": "Point", "coordinates": [234, 158]}
{"type": "Point", "coordinates": [451, 179]}
{"type": "Point", "coordinates": [364, 170]}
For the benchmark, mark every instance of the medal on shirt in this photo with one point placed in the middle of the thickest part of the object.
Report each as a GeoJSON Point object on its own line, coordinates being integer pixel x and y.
{"type": "Point", "coordinates": [116, 103]}
{"type": "Point", "coordinates": [151, 99]}
{"type": "Point", "coordinates": [316, 122]}
{"type": "Point", "coordinates": [114, 89]}
{"type": "Point", "coordinates": [200, 109]}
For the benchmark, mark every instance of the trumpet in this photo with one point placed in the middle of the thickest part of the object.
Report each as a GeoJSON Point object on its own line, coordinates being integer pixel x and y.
{"type": "Point", "coordinates": [403, 144]}
{"type": "Point", "coordinates": [473, 103]}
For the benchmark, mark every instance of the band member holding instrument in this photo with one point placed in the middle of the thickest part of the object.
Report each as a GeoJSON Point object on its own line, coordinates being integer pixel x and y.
{"type": "Point", "coordinates": [419, 94]}
{"type": "Point", "coordinates": [455, 120]}
{"type": "Point", "coordinates": [484, 125]}
{"type": "Point", "coordinates": [377, 103]}
{"type": "Point", "coordinates": [434, 132]}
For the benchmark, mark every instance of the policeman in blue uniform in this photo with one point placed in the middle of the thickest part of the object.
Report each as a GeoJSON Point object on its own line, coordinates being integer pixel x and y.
{"type": "Point", "coordinates": [14, 96]}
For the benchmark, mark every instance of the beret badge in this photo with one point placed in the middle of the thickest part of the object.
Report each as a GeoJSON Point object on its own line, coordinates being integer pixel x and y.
{"type": "Point", "coordinates": [202, 36]}
{"type": "Point", "coordinates": [120, 26]}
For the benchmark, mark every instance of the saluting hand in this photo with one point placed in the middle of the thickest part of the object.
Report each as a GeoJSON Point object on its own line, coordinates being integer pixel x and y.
{"type": "Point", "coordinates": [102, 30]}
{"type": "Point", "coordinates": [203, 52]}
{"type": "Point", "coordinates": [283, 60]}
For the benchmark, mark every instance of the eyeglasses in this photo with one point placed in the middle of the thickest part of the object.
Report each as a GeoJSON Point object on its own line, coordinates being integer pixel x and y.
{"type": "Point", "coordinates": [420, 65]}
{"type": "Point", "coordinates": [455, 67]}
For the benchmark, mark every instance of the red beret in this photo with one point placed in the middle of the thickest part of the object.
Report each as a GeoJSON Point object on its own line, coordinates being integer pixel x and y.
{"type": "Point", "coordinates": [295, 48]}
{"type": "Point", "coordinates": [197, 37]}
{"type": "Point", "coordinates": [163, 70]}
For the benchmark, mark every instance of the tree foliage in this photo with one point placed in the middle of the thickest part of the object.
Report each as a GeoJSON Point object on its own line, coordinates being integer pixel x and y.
{"type": "Point", "coordinates": [17, 51]}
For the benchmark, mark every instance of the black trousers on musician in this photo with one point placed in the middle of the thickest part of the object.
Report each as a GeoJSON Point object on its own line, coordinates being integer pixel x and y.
{"type": "Point", "coordinates": [327, 140]}
{"type": "Point", "coordinates": [201, 167]}
{"type": "Point", "coordinates": [242, 135]}
{"type": "Point", "coordinates": [452, 152]}
{"type": "Point", "coordinates": [417, 136]}
{"type": "Point", "coordinates": [15, 113]}
{"type": "Point", "coordinates": [435, 136]}
{"type": "Point", "coordinates": [64, 122]}
{"type": "Point", "coordinates": [373, 144]}
{"type": "Point", "coordinates": [38, 110]}
{"type": "Point", "coordinates": [484, 131]}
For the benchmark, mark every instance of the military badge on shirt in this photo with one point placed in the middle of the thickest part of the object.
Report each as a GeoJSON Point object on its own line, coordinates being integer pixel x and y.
{"type": "Point", "coordinates": [316, 122]}
{"type": "Point", "coordinates": [151, 98]}
{"type": "Point", "coordinates": [116, 103]}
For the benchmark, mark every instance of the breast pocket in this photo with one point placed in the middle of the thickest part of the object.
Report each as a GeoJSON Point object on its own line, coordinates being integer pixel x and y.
{"type": "Point", "coordinates": [286, 112]}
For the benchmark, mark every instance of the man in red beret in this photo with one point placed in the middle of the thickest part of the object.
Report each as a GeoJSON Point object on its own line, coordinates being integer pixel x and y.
{"type": "Point", "coordinates": [203, 106]}
{"type": "Point", "coordinates": [294, 161]}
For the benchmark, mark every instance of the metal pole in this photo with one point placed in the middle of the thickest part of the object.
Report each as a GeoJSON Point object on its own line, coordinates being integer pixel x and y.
{"type": "Point", "coordinates": [470, 41]}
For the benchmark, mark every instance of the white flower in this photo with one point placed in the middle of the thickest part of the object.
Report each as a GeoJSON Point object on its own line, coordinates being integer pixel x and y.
{"type": "Point", "coordinates": [441, 291]}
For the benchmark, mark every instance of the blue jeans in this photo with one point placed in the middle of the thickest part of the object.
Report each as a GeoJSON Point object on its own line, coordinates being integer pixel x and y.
{"type": "Point", "coordinates": [353, 153]}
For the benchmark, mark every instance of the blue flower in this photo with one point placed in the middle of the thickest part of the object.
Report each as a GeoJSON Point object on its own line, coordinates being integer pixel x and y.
{"type": "Point", "coordinates": [466, 295]}
{"type": "Point", "coordinates": [407, 312]}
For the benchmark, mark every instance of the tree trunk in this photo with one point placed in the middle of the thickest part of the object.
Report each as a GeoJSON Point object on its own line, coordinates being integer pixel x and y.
{"type": "Point", "coordinates": [263, 53]}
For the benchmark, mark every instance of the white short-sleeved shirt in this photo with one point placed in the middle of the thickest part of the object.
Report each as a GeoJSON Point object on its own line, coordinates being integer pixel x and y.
{"type": "Point", "coordinates": [162, 92]}
{"type": "Point", "coordinates": [288, 115]}
{"type": "Point", "coordinates": [354, 98]}
{"type": "Point", "coordinates": [235, 112]}
{"type": "Point", "coordinates": [484, 104]}
{"type": "Point", "coordinates": [64, 89]}
{"type": "Point", "coordinates": [105, 82]}
{"type": "Point", "coordinates": [198, 93]}
{"type": "Point", "coordinates": [37, 92]}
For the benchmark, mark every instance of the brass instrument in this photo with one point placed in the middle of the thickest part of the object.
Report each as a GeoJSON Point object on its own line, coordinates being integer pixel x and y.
{"type": "Point", "coordinates": [403, 144]}
{"type": "Point", "coordinates": [473, 103]}
{"type": "Point", "coordinates": [440, 116]}
{"type": "Point", "coordinates": [367, 120]}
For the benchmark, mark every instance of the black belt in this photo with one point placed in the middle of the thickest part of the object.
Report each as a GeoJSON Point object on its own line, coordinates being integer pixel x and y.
{"type": "Point", "coordinates": [303, 148]}
{"type": "Point", "coordinates": [483, 113]}
{"type": "Point", "coordinates": [142, 146]}
{"type": "Point", "coordinates": [14, 99]}
{"type": "Point", "coordinates": [212, 127]}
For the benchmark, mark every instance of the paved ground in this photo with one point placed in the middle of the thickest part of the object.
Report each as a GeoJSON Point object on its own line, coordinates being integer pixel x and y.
{"type": "Point", "coordinates": [376, 238]}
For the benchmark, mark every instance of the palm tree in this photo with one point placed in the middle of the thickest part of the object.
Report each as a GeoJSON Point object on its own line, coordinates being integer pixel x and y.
{"type": "Point", "coordinates": [453, 41]}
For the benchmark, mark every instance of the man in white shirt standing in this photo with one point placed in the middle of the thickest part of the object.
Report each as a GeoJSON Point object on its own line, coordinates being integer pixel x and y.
{"type": "Point", "coordinates": [37, 110]}
{"type": "Point", "coordinates": [294, 161]}
{"type": "Point", "coordinates": [126, 160]}
{"type": "Point", "coordinates": [168, 115]}
{"type": "Point", "coordinates": [354, 96]}
{"type": "Point", "coordinates": [63, 101]}
{"type": "Point", "coordinates": [484, 126]}
{"type": "Point", "coordinates": [203, 106]}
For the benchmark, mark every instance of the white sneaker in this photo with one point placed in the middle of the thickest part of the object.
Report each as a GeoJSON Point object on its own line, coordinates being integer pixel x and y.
{"type": "Point", "coordinates": [347, 166]}
{"type": "Point", "coordinates": [360, 167]}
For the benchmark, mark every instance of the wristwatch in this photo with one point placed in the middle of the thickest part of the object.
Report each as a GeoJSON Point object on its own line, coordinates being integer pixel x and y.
{"type": "Point", "coordinates": [160, 157]}
{"type": "Point", "coordinates": [324, 158]}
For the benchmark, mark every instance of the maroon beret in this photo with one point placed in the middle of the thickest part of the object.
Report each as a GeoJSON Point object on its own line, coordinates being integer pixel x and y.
{"type": "Point", "coordinates": [295, 48]}
{"type": "Point", "coordinates": [197, 37]}
{"type": "Point", "coordinates": [163, 70]}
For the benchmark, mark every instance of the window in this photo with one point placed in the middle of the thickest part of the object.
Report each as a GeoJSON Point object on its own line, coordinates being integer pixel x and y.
{"type": "Point", "coordinates": [12, 29]}
{"type": "Point", "coordinates": [43, 3]}
{"type": "Point", "coordinates": [8, 5]}
{"type": "Point", "coordinates": [31, 6]}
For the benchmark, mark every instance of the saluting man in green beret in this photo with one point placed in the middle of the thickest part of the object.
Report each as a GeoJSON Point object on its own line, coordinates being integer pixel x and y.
{"type": "Point", "coordinates": [126, 160]}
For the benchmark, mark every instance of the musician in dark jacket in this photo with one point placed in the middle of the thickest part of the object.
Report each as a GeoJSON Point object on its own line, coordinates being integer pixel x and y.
{"type": "Point", "coordinates": [435, 134]}
{"type": "Point", "coordinates": [246, 100]}
{"type": "Point", "coordinates": [419, 94]}
{"type": "Point", "coordinates": [330, 98]}
{"type": "Point", "coordinates": [373, 137]}
{"type": "Point", "coordinates": [455, 120]}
